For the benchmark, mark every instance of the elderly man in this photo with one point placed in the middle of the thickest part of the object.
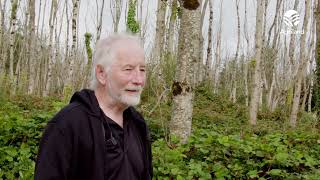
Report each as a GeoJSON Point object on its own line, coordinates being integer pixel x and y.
{"type": "Point", "coordinates": [99, 135]}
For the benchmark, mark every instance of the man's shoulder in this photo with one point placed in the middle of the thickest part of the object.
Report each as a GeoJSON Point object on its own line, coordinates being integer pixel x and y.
{"type": "Point", "coordinates": [70, 114]}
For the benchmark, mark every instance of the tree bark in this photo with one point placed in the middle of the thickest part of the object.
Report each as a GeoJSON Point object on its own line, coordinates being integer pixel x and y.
{"type": "Point", "coordinates": [233, 95]}
{"type": "Point", "coordinates": [99, 26]}
{"type": "Point", "coordinates": [31, 46]}
{"type": "Point", "coordinates": [75, 13]}
{"type": "Point", "coordinates": [13, 19]}
{"type": "Point", "coordinates": [52, 20]}
{"type": "Point", "coordinates": [217, 52]}
{"type": "Point", "coordinates": [208, 69]}
{"type": "Point", "coordinates": [317, 57]}
{"type": "Point", "coordinates": [160, 32]}
{"type": "Point", "coordinates": [183, 90]}
{"type": "Point", "coordinates": [301, 68]}
{"type": "Point", "coordinates": [254, 103]}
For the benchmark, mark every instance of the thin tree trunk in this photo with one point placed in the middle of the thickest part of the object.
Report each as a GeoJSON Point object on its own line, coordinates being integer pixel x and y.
{"type": "Point", "coordinates": [310, 94]}
{"type": "Point", "coordinates": [172, 23]}
{"type": "Point", "coordinates": [13, 19]}
{"type": "Point", "coordinates": [218, 51]}
{"type": "Point", "coordinates": [246, 69]}
{"type": "Point", "coordinates": [116, 12]}
{"type": "Point", "coordinates": [254, 103]}
{"type": "Point", "coordinates": [52, 19]}
{"type": "Point", "coordinates": [31, 46]}
{"type": "Point", "coordinates": [183, 90]}
{"type": "Point", "coordinates": [73, 57]}
{"type": "Point", "coordinates": [208, 70]}
{"type": "Point", "coordinates": [274, 23]}
{"type": "Point", "coordinates": [2, 33]}
{"type": "Point", "coordinates": [301, 69]}
{"type": "Point", "coordinates": [317, 57]}
{"type": "Point", "coordinates": [305, 94]}
{"type": "Point", "coordinates": [99, 27]}
{"type": "Point", "coordinates": [160, 32]}
{"type": "Point", "coordinates": [233, 96]}
{"type": "Point", "coordinates": [200, 69]}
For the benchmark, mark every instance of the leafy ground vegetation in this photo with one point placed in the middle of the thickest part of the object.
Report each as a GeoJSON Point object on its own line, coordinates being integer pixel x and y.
{"type": "Point", "coordinates": [222, 145]}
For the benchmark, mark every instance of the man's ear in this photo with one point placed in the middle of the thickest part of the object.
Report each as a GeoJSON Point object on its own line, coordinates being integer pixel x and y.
{"type": "Point", "coordinates": [101, 74]}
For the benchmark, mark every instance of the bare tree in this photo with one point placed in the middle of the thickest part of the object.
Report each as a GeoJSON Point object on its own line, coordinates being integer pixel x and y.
{"type": "Point", "coordinates": [52, 20]}
{"type": "Point", "coordinates": [233, 93]}
{"type": "Point", "coordinates": [116, 12]}
{"type": "Point", "coordinates": [2, 57]}
{"type": "Point", "coordinates": [217, 57]}
{"type": "Point", "coordinates": [160, 31]}
{"type": "Point", "coordinates": [99, 26]}
{"type": "Point", "coordinates": [12, 29]}
{"type": "Point", "coordinates": [183, 92]}
{"type": "Point", "coordinates": [301, 68]}
{"type": "Point", "coordinates": [257, 69]}
{"type": "Point", "coordinates": [75, 13]}
{"type": "Point", "coordinates": [171, 31]}
{"type": "Point", "coordinates": [208, 70]}
{"type": "Point", "coordinates": [31, 45]}
{"type": "Point", "coordinates": [246, 69]}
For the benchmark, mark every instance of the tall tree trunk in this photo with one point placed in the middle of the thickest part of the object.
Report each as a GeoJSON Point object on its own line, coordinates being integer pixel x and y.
{"type": "Point", "coordinates": [233, 94]}
{"type": "Point", "coordinates": [116, 13]}
{"type": "Point", "coordinates": [200, 68]}
{"type": "Point", "coordinates": [160, 32]}
{"type": "Point", "coordinates": [218, 51]}
{"type": "Point", "coordinates": [12, 29]}
{"type": "Point", "coordinates": [158, 50]}
{"type": "Point", "coordinates": [31, 46]}
{"type": "Point", "coordinates": [171, 31]}
{"type": "Point", "coordinates": [254, 103]}
{"type": "Point", "coordinates": [208, 69]}
{"type": "Point", "coordinates": [2, 54]}
{"type": "Point", "coordinates": [246, 69]}
{"type": "Point", "coordinates": [52, 19]}
{"type": "Point", "coordinates": [73, 57]}
{"type": "Point", "coordinates": [301, 68]}
{"type": "Point", "coordinates": [317, 57]}
{"type": "Point", "coordinates": [183, 90]}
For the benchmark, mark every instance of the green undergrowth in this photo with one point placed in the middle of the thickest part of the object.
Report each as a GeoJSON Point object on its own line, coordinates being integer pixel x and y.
{"type": "Point", "coordinates": [222, 144]}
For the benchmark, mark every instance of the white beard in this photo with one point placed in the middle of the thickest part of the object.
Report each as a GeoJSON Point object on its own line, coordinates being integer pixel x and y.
{"type": "Point", "coordinates": [123, 97]}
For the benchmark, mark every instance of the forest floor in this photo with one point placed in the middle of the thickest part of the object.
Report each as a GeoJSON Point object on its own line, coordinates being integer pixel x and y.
{"type": "Point", "coordinates": [222, 145]}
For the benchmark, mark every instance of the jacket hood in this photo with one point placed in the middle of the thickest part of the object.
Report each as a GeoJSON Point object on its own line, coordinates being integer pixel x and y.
{"type": "Point", "coordinates": [87, 98]}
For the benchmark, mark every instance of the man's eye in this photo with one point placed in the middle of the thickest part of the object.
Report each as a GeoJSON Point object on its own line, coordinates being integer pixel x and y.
{"type": "Point", "coordinates": [128, 69]}
{"type": "Point", "coordinates": [143, 70]}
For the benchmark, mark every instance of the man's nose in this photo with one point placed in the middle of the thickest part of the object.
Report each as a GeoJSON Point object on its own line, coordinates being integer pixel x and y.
{"type": "Point", "coordinates": [139, 77]}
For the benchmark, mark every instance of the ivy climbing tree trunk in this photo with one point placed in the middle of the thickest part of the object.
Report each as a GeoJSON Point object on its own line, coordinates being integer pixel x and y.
{"type": "Point", "coordinates": [188, 54]}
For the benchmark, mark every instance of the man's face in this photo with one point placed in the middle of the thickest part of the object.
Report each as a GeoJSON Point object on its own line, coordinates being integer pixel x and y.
{"type": "Point", "coordinates": [127, 75]}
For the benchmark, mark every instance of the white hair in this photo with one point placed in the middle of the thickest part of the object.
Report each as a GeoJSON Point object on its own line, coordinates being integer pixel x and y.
{"type": "Point", "coordinates": [105, 53]}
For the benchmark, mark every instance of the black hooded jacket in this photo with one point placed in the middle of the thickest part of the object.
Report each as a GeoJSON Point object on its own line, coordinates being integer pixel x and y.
{"type": "Point", "coordinates": [73, 146]}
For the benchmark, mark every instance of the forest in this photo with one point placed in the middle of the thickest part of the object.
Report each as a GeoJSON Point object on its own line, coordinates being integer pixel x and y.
{"type": "Point", "coordinates": [232, 89]}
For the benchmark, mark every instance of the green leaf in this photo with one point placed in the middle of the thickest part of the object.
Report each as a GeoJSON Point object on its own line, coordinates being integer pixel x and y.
{"type": "Point", "coordinates": [275, 172]}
